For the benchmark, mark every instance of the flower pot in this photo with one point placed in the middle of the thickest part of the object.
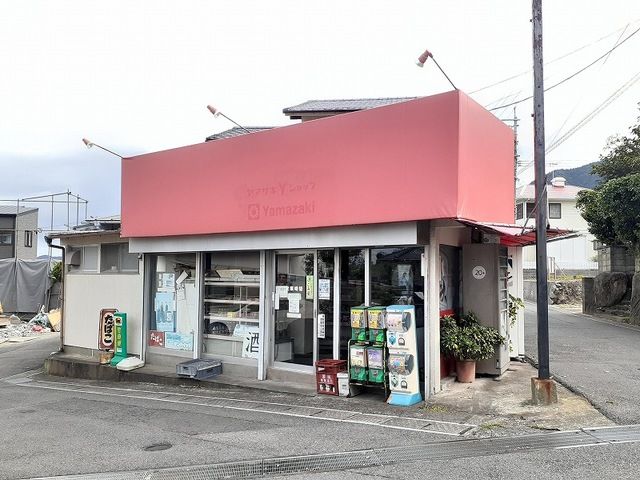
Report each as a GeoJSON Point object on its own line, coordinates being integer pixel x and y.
{"type": "Point", "coordinates": [466, 370]}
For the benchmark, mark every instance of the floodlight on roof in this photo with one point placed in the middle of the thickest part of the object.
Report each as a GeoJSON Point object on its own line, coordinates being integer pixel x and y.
{"type": "Point", "coordinates": [89, 144]}
{"type": "Point", "coordinates": [216, 113]}
{"type": "Point", "coordinates": [422, 59]}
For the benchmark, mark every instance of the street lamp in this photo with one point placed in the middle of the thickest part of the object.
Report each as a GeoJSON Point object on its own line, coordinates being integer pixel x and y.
{"type": "Point", "coordinates": [90, 144]}
{"type": "Point", "coordinates": [426, 55]}
{"type": "Point", "coordinates": [216, 113]}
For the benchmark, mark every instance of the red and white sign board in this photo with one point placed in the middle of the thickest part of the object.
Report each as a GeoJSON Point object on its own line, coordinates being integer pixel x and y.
{"type": "Point", "coordinates": [156, 338]}
{"type": "Point", "coordinates": [106, 334]}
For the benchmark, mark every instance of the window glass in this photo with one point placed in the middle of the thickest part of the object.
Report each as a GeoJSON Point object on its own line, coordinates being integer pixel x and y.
{"type": "Point", "coordinates": [396, 277]}
{"type": "Point", "coordinates": [89, 259]}
{"type": "Point", "coordinates": [174, 309]}
{"type": "Point", "coordinates": [115, 258]}
{"type": "Point", "coordinates": [28, 238]}
{"type": "Point", "coordinates": [519, 211]}
{"type": "Point", "coordinates": [530, 209]}
{"type": "Point", "coordinates": [6, 238]}
{"type": "Point", "coordinates": [555, 210]}
{"type": "Point", "coordinates": [325, 302]}
{"type": "Point", "coordinates": [231, 304]}
{"type": "Point", "coordinates": [294, 309]}
{"type": "Point", "coordinates": [109, 257]}
{"type": "Point", "coordinates": [351, 291]}
{"type": "Point", "coordinates": [128, 261]}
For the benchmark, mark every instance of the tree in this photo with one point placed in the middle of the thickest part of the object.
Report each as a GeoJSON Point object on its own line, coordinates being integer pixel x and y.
{"type": "Point", "coordinates": [612, 209]}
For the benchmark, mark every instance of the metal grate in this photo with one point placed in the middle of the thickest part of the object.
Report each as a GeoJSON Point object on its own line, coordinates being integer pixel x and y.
{"type": "Point", "coordinates": [382, 456]}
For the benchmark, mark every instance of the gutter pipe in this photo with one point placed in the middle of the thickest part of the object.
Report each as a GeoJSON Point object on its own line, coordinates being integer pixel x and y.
{"type": "Point", "coordinates": [62, 289]}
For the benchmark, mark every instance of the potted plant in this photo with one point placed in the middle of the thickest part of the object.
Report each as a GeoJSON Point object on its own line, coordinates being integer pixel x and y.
{"type": "Point", "coordinates": [467, 341]}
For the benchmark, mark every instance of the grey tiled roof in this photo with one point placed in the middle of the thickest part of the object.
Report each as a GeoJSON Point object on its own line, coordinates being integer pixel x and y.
{"type": "Point", "coordinates": [11, 209]}
{"type": "Point", "coordinates": [345, 105]}
{"type": "Point", "coordinates": [235, 131]}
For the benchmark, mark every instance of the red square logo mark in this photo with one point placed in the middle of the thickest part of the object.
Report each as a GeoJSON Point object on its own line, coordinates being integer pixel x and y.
{"type": "Point", "coordinates": [253, 211]}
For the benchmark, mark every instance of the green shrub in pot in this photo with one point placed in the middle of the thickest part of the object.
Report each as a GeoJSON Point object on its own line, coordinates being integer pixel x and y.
{"type": "Point", "coordinates": [467, 341]}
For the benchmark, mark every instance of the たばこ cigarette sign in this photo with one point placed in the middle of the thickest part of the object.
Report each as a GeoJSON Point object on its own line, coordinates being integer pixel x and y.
{"type": "Point", "coordinates": [106, 329]}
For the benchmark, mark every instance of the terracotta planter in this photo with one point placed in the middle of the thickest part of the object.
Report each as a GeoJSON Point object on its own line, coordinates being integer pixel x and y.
{"type": "Point", "coordinates": [466, 370]}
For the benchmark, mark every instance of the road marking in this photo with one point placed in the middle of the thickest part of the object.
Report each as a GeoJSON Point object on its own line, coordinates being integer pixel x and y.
{"type": "Point", "coordinates": [422, 425]}
{"type": "Point", "coordinates": [27, 374]}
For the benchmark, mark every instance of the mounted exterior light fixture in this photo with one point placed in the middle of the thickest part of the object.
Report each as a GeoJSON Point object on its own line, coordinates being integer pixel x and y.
{"type": "Point", "coordinates": [216, 113]}
{"type": "Point", "coordinates": [426, 55]}
{"type": "Point", "coordinates": [88, 143]}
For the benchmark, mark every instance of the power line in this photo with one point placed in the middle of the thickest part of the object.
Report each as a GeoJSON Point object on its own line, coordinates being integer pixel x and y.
{"type": "Point", "coordinates": [582, 95]}
{"type": "Point", "coordinates": [604, 104]}
{"type": "Point", "coordinates": [557, 58]}
{"type": "Point", "coordinates": [595, 112]}
{"type": "Point", "coordinates": [573, 74]}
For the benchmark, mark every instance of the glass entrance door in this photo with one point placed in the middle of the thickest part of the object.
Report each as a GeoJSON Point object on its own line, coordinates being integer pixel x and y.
{"type": "Point", "coordinates": [294, 307]}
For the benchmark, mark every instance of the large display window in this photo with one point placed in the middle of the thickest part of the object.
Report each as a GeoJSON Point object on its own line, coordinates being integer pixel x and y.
{"type": "Point", "coordinates": [231, 304]}
{"type": "Point", "coordinates": [396, 278]}
{"type": "Point", "coordinates": [174, 307]}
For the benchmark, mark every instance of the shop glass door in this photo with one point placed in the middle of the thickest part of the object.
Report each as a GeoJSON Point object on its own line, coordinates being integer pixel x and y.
{"type": "Point", "coordinates": [294, 307]}
{"type": "Point", "coordinates": [325, 295]}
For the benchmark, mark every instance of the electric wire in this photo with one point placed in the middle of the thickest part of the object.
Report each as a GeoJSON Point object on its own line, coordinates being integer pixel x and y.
{"type": "Point", "coordinates": [566, 79]}
{"type": "Point", "coordinates": [581, 97]}
{"type": "Point", "coordinates": [585, 120]}
{"type": "Point", "coordinates": [561, 57]}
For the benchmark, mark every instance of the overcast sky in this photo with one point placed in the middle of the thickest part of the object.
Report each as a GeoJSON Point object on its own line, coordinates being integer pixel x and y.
{"type": "Point", "coordinates": [136, 76]}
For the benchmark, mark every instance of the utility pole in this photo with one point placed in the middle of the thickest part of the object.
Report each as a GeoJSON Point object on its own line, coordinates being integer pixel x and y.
{"type": "Point", "coordinates": [543, 388]}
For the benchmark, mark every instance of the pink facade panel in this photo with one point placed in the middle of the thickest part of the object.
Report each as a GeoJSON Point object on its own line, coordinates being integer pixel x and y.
{"type": "Point", "coordinates": [485, 166]}
{"type": "Point", "coordinates": [387, 164]}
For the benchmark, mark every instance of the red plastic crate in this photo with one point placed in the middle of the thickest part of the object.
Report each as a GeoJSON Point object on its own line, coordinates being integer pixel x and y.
{"type": "Point", "coordinates": [327, 375]}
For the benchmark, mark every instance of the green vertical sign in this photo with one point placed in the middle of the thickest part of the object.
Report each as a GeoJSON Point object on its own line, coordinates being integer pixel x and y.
{"type": "Point", "coordinates": [120, 338]}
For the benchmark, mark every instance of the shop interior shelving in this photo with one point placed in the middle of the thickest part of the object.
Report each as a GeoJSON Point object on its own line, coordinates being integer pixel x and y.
{"type": "Point", "coordinates": [230, 302]}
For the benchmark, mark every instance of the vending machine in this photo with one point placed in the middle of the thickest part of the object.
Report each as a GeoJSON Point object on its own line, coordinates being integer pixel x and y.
{"type": "Point", "coordinates": [403, 355]}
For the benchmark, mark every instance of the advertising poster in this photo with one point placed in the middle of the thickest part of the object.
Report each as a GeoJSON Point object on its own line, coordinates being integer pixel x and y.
{"type": "Point", "coordinates": [251, 342]}
{"type": "Point", "coordinates": [322, 322]}
{"type": "Point", "coordinates": [324, 289]}
{"type": "Point", "coordinates": [166, 282]}
{"type": "Point", "coordinates": [404, 279]}
{"type": "Point", "coordinates": [165, 308]}
{"type": "Point", "coordinates": [156, 338]}
{"type": "Point", "coordinates": [178, 341]}
{"type": "Point", "coordinates": [310, 284]}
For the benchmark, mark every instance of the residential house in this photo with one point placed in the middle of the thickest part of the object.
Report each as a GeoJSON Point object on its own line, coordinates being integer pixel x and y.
{"type": "Point", "coordinates": [574, 255]}
{"type": "Point", "coordinates": [18, 232]}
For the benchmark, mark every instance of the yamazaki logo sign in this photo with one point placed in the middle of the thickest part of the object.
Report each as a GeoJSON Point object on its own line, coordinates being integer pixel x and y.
{"type": "Point", "coordinates": [106, 332]}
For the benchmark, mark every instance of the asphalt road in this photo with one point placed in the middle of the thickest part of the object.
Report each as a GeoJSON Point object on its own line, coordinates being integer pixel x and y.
{"type": "Point", "coordinates": [596, 358]}
{"type": "Point", "coordinates": [21, 357]}
{"type": "Point", "coordinates": [62, 431]}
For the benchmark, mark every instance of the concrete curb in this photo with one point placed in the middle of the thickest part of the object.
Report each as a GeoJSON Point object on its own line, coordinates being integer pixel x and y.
{"type": "Point", "coordinates": [60, 365]}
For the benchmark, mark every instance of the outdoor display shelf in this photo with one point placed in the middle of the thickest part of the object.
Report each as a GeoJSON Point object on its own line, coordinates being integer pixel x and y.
{"type": "Point", "coordinates": [367, 358]}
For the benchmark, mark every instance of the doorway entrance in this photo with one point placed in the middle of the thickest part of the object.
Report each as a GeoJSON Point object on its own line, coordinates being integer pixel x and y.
{"type": "Point", "coordinates": [303, 313]}
{"type": "Point", "coordinates": [294, 307]}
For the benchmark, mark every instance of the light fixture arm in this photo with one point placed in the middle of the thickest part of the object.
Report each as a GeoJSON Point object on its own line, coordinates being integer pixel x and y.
{"type": "Point", "coordinates": [428, 55]}
{"type": "Point", "coordinates": [215, 112]}
{"type": "Point", "coordinates": [90, 144]}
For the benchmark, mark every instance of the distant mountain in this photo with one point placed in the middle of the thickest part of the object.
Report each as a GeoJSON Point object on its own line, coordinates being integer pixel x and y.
{"type": "Point", "coordinates": [579, 176]}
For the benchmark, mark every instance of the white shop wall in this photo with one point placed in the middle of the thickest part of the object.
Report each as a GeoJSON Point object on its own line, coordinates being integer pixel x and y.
{"type": "Point", "coordinates": [86, 295]}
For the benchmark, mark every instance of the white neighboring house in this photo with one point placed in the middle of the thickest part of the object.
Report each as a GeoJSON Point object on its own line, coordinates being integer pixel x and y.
{"type": "Point", "coordinates": [572, 254]}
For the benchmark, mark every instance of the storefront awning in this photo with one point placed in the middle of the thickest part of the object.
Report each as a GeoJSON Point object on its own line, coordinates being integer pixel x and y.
{"type": "Point", "coordinates": [517, 235]}
{"type": "Point", "coordinates": [423, 159]}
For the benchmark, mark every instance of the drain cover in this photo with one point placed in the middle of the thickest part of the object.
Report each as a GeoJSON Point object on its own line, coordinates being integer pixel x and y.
{"type": "Point", "coordinates": [156, 447]}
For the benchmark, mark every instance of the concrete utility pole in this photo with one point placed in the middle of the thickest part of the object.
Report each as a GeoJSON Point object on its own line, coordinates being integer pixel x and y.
{"type": "Point", "coordinates": [543, 388]}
